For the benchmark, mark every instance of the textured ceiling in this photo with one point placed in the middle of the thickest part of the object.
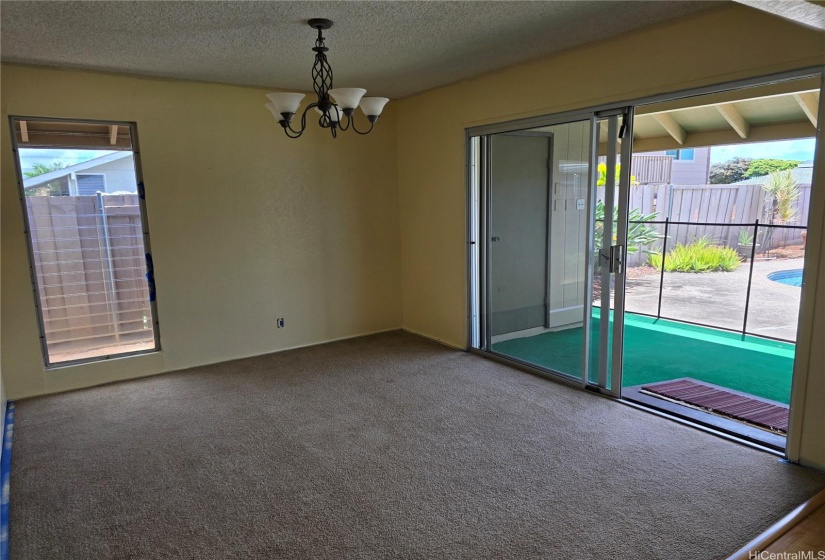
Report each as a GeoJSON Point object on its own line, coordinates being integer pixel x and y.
{"type": "Point", "coordinates": [391, 48]}
{"type": "Point", "coordinates": [810, 14]}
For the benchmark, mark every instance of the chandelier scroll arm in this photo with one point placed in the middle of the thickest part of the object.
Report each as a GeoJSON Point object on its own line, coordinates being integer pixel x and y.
{"type": "Point", "coordinates": [347, 113]}
{"type": "Point", "coordinates": [287, 124]}
{"type": "Point", "coordinates": [351, 122]}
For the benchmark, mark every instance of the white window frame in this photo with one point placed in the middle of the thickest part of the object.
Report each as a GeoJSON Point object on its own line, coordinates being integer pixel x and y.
{"type": "Point", "coordinates": [678, 157]}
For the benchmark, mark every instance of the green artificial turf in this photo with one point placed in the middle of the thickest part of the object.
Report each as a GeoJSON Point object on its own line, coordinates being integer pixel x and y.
{"type": "Point", "coordinates": [658, 350]}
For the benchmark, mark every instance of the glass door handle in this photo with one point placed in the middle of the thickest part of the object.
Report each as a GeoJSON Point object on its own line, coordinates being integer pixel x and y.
{"type": "Point", "coordinates": [616, 258]}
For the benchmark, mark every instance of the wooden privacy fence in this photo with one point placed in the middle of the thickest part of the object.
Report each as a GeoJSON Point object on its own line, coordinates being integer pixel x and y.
{"type": "Point", "coordinates": [710, 205]}
{"type": "Point", "coordinates": [90, 265]}
{"type": "Point", "coordinates": [649, 168]}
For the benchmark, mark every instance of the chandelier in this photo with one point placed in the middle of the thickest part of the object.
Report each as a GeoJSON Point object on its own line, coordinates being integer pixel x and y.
{"type": "Point", "coordinates": [333, 112]}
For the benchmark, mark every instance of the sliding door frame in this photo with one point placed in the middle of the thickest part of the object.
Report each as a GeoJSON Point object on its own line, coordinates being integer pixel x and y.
{"type": "Point", "coordinates": [800, 374]}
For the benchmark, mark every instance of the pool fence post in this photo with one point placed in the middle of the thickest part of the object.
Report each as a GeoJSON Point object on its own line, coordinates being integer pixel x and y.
{"type": "Point", "coordinates": [662, 272]}
{"type": "Point", "coordinates": [750, 277]}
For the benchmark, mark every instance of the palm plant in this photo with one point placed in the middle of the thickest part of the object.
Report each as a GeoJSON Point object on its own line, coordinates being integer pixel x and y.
{"type": "Point", "coordinates": [43, 168]}
{"type": "Point", "coordinates": [780, 206]}
{"type": "Point", "coordinates": [783, 192]}
{"type": "Point", "coordinates": [52, 188]}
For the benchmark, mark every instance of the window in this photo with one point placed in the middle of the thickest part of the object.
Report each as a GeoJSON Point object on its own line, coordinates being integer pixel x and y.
{"type": "Point", "coordinates": [90, 183]}
{"type": "Point", "coordinates": [87, 234]}
{"type": "Point", "coordinates": [683, 154]}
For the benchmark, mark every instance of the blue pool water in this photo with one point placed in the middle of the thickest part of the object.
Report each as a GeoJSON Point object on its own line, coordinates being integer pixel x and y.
{"type": "Point", "coordinates": [789, 277]}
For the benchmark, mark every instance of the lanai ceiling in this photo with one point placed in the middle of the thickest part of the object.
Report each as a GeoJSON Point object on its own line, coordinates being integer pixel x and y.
{"type": "Point", "coordinates": [391, 48]}
{"type": "Point", "coordinates": [779, 111]}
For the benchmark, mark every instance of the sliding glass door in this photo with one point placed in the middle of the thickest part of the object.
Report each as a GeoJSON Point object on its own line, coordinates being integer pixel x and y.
{"type": "Point", "coordinates": [607, 267]}
{"type": "Point", "coordinates": [557, 224]}
{"type": "Point", "coordinates": [544, 256]}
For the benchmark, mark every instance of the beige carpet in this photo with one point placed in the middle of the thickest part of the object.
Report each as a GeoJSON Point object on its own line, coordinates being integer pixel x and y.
{"type": "Point", "coordinates": [388, 446]}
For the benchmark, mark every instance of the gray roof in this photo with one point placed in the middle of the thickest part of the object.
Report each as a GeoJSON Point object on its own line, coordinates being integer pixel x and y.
{"type": "Point", "coordinates": [802, 174]}
{"type": "Point", "coordinates": [82, 166]}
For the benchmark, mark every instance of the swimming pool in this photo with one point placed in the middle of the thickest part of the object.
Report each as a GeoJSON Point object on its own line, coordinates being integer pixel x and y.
{"type": "Point", "coordinates": [789, 277]}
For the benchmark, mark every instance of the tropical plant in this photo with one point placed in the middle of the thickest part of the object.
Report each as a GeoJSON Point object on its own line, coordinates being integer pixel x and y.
{"type": "Point", "coordinates": [780, 202]}
{"type": "Point", "coordinates": [745, 237]}
{"type": "Point", "coordinates": [639, 233]}
{"type": "Point", "coordinates": [765, 166]}
{"type": "Point", "coordinates": [43, 168]}
{"type": "Point", "coordinates": [602, 179]}
{"type": "Point", "coordinates": [729, 171]}
{"type": "Point", "coordinates": [52, 188]}
{"type": "Point", "coordinates": [699, 256]}
{"type": "Point", "coordinates": [782, 191]}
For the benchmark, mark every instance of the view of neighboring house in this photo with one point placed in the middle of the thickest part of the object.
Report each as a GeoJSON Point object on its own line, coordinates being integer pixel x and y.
{"type": "Point", "coordinates": [112, 173]}
{"type": "Point", "coordinates": [688, 166]}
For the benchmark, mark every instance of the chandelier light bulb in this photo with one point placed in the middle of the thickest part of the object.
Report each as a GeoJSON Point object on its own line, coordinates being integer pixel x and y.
{"type": "Point", "coordinates": [372, 106]}
{"type": "Point", "coordinates": [274, 111]}
{"type": "Point", "coordinates": [286, 102]}
{"type": "Point", "coordinates": [347, 98]}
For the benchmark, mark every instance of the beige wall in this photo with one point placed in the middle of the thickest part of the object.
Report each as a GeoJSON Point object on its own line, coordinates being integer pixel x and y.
{"type": "Point", "coordinates": [246, 225]}
{"type": "Point", "coordinates": [708, 48]}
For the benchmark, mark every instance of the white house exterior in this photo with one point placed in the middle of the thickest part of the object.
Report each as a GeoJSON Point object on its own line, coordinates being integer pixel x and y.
{"type": "Point", "coordinates": [112, 173]}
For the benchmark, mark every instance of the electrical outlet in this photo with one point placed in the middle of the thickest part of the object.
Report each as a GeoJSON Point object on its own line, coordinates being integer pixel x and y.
{"type": "Point", "coordinates": [280, 322]}
{"type": "Point", "coordinates": [580, 204]}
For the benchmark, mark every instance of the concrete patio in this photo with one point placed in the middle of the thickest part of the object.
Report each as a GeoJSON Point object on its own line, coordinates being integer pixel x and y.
{"type": "Point", "coordinates": [718, 298]}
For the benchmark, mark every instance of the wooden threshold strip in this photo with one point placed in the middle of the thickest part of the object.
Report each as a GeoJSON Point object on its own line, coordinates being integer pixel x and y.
{"type": "Point", "coordinates": [778, 529]}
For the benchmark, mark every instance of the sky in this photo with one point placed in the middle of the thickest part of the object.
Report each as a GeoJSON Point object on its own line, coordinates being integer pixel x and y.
{"type": "Point", "coordinates": [802, 149]}
{"type": "Point", "coordinates": [29, 157]}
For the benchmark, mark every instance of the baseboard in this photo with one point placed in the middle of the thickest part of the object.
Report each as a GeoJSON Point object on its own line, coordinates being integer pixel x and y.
{"type": "Point", "coordinates": [208, 363]}
{"type": "Point", "coordinates": [772, 533]}
{"type": "Point", "coordinates": [433, 339]}
{"type": "Point", "coordinates": [309, 345]}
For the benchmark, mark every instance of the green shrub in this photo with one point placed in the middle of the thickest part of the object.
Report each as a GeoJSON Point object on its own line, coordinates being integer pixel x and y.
{"type": "Point", "coordinates": [699, 256]}
{"type": "Point", "coordinates": [638, 232]}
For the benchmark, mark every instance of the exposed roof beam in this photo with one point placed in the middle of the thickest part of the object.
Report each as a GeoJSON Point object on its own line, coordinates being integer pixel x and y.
{"type": "Point", "coordinates": [113, 134]}
{"type": "Point", "coordinates": [671, 126]}
{"type": "Point", "coordinates": [735, 119]}
{"type": "Point", "coordinates": [798, 11]}
{"type": "Point", "coordinates": [762, 133]}
{"type": "Point", "coordinates": [759, 92]}
{"type": "Point", "coordinates": [809, 104]}
{"type": "Point", "coordinates": [24, 131]}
